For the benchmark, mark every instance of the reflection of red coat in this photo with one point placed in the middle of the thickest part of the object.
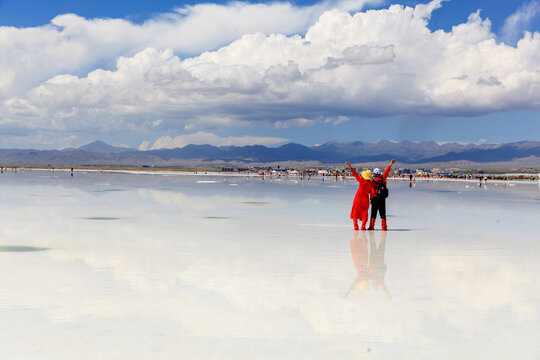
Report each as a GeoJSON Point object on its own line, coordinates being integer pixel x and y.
{"type": "Point", "coordinates": [359, 253]}
{"type": "Point", "coordinates": [361, 199]}
{"type": "Point", "coordinates": [378, 180]}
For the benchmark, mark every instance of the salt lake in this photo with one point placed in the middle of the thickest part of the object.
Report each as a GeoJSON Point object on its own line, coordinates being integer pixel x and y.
{"type": "Point", "coordinates": [171, 266]}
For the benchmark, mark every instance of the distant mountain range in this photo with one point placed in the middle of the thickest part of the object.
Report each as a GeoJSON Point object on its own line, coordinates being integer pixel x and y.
{"type": "Point", "coordinates": [101, 147]}
{"type": "Point", "coordinates": [99, 153]}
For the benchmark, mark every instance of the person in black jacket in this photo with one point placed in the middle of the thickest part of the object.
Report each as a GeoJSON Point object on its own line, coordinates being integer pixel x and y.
{"type": "Point", "coordinates": [378, 196]}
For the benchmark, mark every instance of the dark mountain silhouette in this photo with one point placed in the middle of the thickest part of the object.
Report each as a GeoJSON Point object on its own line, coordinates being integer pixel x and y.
{"type": "Point", "coordinates": [101, 154]}
{"type": "Point", "coordinates": [253, 153]}
{"type": "Point", "coordinates": [404, 149]}
{"type": "Point", "coordinates": [505, 152]}
{"type": "Point", "coordinates": [101, 147]}
{"type": "Point", "coordinates": [72, 157]}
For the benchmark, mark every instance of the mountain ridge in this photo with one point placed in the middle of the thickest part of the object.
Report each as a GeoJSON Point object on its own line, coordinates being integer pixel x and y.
{"type": "Point", "coordinates": [102, 147]}
{"type": "Point", "coordinates": [332, 152]}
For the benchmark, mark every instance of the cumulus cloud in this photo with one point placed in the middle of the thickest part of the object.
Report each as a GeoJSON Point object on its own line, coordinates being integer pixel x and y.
{"type": "Point", "coordinates": [73, 44]}
{"type": "Point", "coordinates": [205, 138]}
{"type": "Point", "coordinates": [304, 123]}
{"type": "Point", "coordinates": [145, 145]}
{"type": "Point", "coordinates": [358, 55]}
{"type": "Point", "coordinates": [297, 123]}
{"type": "Point", "coordinates": [517, 23]}
{"type": "Point", "coordinates": [373, 63]}
{"type": "Point", "coordinates": [491, 81]}
{"type": "Point", "coordinates": [338, 120]}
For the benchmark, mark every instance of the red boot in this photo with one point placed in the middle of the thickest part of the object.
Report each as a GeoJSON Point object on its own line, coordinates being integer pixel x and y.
{"type": "Point", "coordinates": [364, 222]}
{"type": "Point", "coordinates": [355, 221]}
{"type": "Point", "coordinates": [384, 228]}
{"type": "Point", "coordinates": [371, 224]}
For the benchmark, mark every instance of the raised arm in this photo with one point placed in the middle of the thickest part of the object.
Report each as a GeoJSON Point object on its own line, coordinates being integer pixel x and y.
{"type": "Point", "coordinates": [387, 171]}
{"type": "Point", "coordinates": [355, 174]}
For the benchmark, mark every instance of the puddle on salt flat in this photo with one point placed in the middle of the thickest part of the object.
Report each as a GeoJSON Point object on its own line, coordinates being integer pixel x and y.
{"type": "Point", "coordinates": [16, 248]}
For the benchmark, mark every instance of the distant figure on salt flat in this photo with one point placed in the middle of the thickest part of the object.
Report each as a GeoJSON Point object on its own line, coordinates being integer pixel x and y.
{"type": "Point", "coordinates": [360, 206]}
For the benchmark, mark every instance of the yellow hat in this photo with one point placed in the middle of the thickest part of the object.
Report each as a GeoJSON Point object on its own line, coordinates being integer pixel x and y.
{"type": "Point", "coordinates": [366, 174]}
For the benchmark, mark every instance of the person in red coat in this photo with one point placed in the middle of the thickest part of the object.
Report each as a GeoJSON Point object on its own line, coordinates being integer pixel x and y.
{"type": "Point", "coordinates": [378, 195]}
{"type": "Point", "coordinates": [361, 199]}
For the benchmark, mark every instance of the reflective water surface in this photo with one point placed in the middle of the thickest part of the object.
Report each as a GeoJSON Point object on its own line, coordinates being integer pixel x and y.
{"type": "Point", "coordinates": [127, 266]}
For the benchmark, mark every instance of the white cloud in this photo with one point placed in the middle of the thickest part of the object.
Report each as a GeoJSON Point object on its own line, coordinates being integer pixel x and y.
{"type": "Point", "coordinates": [297, 123]}
{"type": "Point", "coordinates": [338, 120]}
{"type": "Point", "coordinates": [519, 21]}
{"type": "Point", "coordinates": [373, 63]}
{"type": "Point", "coordinates": [73, 44]}
{"type": "Point", "coordinates": [203, 138]}
{"type": "Point", "coordinates": [144, 146]}
{"type": "Point", "coordinates": [304, 123]}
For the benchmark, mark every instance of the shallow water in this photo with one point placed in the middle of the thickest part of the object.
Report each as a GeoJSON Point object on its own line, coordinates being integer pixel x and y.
{"type": "Point", "coordinates": [126, 266]}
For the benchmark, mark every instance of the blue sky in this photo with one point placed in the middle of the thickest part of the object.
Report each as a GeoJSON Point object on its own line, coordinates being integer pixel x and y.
{"type": "Point", "coordinates": [166, 73]}
{"type": "Point", "coordinates": [37, 12]}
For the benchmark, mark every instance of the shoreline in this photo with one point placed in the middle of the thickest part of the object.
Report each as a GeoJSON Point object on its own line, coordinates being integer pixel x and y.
{"type": "Point", "coordinates": [296, 178]}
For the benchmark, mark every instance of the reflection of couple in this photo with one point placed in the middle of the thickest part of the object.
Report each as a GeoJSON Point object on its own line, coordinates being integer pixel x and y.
{"type": "Point", "coordinates": [372, 270]}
